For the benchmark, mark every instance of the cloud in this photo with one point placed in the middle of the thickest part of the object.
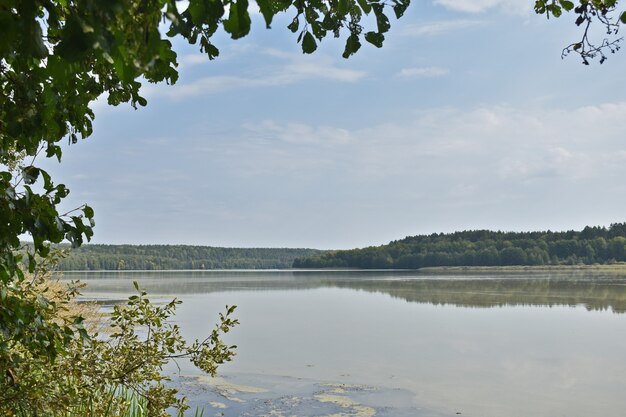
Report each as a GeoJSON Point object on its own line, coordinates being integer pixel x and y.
{"type": "Point", "coordinates": [300, 133]}
{"type": "Point", "coordinates": [290, 70]}
{"type": "Point", "coordinates": [190, 60]}
{"type": "Point", "coordinates": [478, 6]}
{"type": "Point", "coordinates": [439, 27]}
{"type": "Point", "coordinates": [454, 148]}
{"type": "Point", "coordinates": [423, 72]}
{"type": "Point", "coordinates": [436, 169]}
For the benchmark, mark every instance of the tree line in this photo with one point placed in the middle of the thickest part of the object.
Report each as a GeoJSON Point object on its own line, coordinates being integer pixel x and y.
{"type": "Point", "coordinates": [592, 245]}
{"type": "Point", "coordinates": [164, 257]}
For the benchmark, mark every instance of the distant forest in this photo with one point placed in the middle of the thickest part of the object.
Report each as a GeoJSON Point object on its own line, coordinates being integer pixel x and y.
{"type": "Point", "coordinates": [163, 257]}
{"type": "Point", "coordinates": [592, 245]}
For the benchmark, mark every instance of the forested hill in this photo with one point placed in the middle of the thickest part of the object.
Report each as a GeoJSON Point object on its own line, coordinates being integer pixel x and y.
{"type": "Point", "coordinates": [484, 248]}
{"type": "Point", "coordinates": [159, 257]}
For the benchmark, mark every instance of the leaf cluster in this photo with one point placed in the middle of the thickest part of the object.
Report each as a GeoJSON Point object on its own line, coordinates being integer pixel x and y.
{"type": "Point", "coordinates": [603, 12]}
{"type": "Point", "coordinates": [96, 364]}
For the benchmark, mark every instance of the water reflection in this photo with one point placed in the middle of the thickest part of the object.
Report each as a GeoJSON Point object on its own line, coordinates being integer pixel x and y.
{"type": "Point", "coordinates": [593, 290]}
{"type": "Point", "coordinates": [404, 335]}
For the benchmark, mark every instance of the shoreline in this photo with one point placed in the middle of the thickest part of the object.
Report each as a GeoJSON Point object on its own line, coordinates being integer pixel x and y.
{"type": "Point", "coordinates": [617, 267]}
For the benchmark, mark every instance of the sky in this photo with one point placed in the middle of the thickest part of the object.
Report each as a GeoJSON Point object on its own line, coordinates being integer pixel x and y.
{"type": "Point", "coordinates": [467, 118]}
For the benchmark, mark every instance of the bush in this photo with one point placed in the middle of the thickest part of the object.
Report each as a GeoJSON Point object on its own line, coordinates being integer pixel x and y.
{"type": "Point", "coordinates": [95, 365]}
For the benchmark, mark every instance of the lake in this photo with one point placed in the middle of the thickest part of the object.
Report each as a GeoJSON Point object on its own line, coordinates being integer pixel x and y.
{"type": "Point", "coordinates": [397, 343]}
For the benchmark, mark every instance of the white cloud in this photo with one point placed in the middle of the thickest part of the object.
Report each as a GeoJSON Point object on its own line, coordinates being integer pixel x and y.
{"type": "Point", "coordinates": [423, 72]}
{"type": "Point", "coordinates": [192, 59]}
{"type": "Point", "coordinates": [291, 69]}
{"type": "Point", "coordinates": [471, 149]}
{"type": "Point", "coordinates": [435, 170]}
{"type": "Point", "coordinates": [477, 6]}
{"type": "Point", "coordinates": [439, 27]}
{"type": "Point", "coordinates": [300, 133]}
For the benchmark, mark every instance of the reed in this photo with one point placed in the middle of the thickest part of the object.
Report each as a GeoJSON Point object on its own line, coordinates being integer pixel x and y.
{"type": "Point", "coordinates": [114, 402]}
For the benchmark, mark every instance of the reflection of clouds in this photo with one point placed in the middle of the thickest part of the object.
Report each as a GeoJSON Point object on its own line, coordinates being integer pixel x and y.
{"type": "Point", "coordinates": [536, 362]}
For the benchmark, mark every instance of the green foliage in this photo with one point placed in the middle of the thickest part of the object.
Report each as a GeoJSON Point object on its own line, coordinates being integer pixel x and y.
{"type": "Point", "coordinates": [484, 248]}
{"type": "Point", "coordinates": [99, 374]}
{"type": "Point", "coordinates": [164, 257]}
{"type": "Point", "coordinates": [120, 401]}
{"type": "Point", "coordinates": [602, 12]}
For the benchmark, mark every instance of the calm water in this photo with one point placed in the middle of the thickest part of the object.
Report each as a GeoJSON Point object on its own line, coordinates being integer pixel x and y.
{"type": "Point", "coordinates": [402, 343]}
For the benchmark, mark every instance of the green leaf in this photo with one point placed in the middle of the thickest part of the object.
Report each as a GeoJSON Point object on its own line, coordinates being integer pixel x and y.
{"type": "Point", "coordinates": [30, 174]}
{"type": "Point", "coordinates": [343, 6]}
{"type": "Point", "coordinates": [88, 211]}
{"type": "Point", "coordinates": [623, 18]}
{"type": "Point", "coordinates": [400, 7]}
{"type": "Point", "coordinates": [31, 263]}
{"type": "Point", "coordinates": [293, 26]}
{"type": "Point", "coordinates": [352, 46]}
{"type": "Point", "coordinates": [208, 48]}
{"type": "Point", "coordinates": [375, 38]}
{"type": "Point", "coordinates": [238, 23]}
{"type": "Point", "coordinates": [382, 21]}
{"type": "Point", "coordinates": [265, 6]}
{"type": "Point", "coordinates": [540, 7]}
{"type": "Point", "coordinates": [567, 5]}
{"type": "Point", "coordinates": [197, 10]}
{"type": "Point", "coordinates": [555, 9]}
{"type": "Point", "coordinates": [365, 6]}
{"type": "Point", "coordinates": [318, 30]}
{"type": "Point", "coordinates": [308, 43]}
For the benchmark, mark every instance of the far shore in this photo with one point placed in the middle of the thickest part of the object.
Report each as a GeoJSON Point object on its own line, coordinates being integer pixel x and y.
{"type": "Point", "coordinates": [616, 267]}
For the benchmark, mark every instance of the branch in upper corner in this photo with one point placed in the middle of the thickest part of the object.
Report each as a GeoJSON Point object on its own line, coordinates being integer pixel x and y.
{"type": "Point", "coordinates": [590, 14]}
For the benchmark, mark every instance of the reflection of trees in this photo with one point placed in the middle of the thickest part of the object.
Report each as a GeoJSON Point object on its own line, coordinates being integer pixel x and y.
{"type": "Point", "coordinates": [508, 292]}
{"type": "Point", "coordinates": [596, 291]}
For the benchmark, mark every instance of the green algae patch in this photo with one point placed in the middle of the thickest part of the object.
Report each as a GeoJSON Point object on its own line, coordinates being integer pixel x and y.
{"type": "Point", "coordinates": [336, 395]}
{"type": "Point", "coordinates": [217, 404]}
{"type": "Point", "coordinates": [228, 390]}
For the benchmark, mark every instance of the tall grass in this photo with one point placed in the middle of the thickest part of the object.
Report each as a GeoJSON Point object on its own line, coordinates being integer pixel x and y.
{"type": "Point", "coordinates": [118, 402]}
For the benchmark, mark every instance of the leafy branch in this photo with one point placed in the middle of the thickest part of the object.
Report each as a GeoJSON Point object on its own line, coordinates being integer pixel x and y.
{"type": "Point", "coordinates": [602, 12]}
